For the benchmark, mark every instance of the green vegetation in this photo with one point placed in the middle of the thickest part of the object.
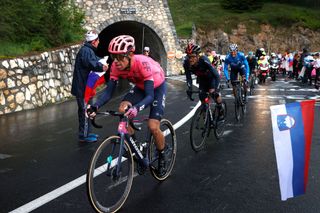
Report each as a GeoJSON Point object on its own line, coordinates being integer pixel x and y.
{"type": "Point", "coordinates": [209, 14]}
{"type": "Point", "coordinates": [36, 25]}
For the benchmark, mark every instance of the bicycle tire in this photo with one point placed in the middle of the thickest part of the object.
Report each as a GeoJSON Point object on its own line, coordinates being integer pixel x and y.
{"type": "Point", "coordinates": [171, 143]}
{"type": "Point", "coordinates": [243, 102]}
{"type": "Point", "coordinates": [106, 192]}
{"type": "Point", "coordinates": [220, 125]}
{"type": "Point", "coordinates": [252, 81]}
{"type": "Point", "coordinates": [237, 104]}
{"type": "Point", "coordinates": [244, 108]}
{"type": "Point", "coordinates": [199, 122]}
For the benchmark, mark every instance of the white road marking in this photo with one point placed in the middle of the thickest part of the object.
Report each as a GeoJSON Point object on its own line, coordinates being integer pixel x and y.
{"type": "Point", "coordinates": [4, 156]}
{"type": "Point", "coordinates": [227, 132]}
{"type": "Point", "coordinates": [282, 101]}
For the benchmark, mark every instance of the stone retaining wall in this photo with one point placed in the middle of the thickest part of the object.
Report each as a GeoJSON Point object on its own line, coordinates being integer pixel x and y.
{"type": "Point", "coordinates": [34, 81]}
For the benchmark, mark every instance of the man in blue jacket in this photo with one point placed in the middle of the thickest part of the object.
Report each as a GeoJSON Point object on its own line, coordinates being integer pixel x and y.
{"type": "Point", "coordinates": [238, 64]}
{"type": "Point", "coordinates": [86, 61]}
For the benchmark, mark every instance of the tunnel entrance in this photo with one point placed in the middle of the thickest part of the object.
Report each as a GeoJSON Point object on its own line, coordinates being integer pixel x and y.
{"type": "Point", "coordinates": [143, 35]}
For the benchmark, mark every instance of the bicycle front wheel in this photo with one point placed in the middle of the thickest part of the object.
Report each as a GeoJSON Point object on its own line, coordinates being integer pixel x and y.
{"type": "Point", "coordinates": [108, 187]}
{"type": "Point", "coordinates": [171, 143]}
{"type": "Point", "coordinates": [243, 101]}
{"type": "Point", "coordinates": [200, 129]}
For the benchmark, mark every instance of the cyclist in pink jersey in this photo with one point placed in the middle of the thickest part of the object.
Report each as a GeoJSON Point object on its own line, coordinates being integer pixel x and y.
{"type": "Point", "coordinates": [142, 69]}
{"type": "Point", "coordinates": [149, 89]}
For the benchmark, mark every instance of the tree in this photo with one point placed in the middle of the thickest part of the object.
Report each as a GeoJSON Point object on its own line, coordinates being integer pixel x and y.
{"type": "Point", "coordinates": [40, 23]}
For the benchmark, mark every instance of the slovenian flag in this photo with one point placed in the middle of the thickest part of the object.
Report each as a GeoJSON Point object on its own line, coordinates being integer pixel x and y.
{"type": "Point", "coordinates": [292, 126]}
{"type": "Point", "coordinates": [94, 79]}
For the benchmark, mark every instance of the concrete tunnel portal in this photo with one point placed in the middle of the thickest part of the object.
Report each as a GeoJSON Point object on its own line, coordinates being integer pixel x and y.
{"type": "Point", "coordinates": [143, 35]}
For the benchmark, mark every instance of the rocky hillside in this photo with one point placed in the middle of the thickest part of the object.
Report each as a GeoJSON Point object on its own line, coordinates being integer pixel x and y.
{"type": "Point", "coordinates": [272, 39]}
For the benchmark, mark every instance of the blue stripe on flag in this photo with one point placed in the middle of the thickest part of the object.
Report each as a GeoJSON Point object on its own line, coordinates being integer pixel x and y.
{"type": "Point", "coordinates": [92, 79]}
{"type": "Point", "coordinates": [298, 147]}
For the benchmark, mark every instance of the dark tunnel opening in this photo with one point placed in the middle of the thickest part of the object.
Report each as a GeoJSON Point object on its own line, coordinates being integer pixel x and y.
{"type": "Point", "coordinates": [143, 35]}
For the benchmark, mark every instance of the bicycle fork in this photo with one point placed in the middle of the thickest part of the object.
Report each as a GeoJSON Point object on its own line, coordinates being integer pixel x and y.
{"type": "Point", "coordinates": [122, 132]}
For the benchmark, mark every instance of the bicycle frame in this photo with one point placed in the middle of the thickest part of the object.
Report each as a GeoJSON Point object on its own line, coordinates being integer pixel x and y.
{"type": "Point", "coordinates": [207, 102]}
{"type": "Point", "coordinates": [124, 135]}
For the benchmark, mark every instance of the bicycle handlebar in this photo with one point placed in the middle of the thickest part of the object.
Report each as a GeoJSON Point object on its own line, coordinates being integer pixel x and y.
{"type": "Point", "coordinates": [112, 113]}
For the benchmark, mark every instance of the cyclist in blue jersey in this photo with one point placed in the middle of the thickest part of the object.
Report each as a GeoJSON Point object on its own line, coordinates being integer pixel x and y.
{"type": "Point", "coordinates": [207, 76]}
{"type": "Point", "coordinates": [238, 64]}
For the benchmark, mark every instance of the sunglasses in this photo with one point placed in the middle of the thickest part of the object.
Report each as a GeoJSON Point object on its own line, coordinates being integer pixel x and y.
{"type": "Point", "coordinates": [192, 55]}
{"type": "Point", "coordinates": [119, 57]}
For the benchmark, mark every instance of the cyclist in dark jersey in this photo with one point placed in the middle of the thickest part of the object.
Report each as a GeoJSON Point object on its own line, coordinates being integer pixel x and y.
{"type": "Point", "coordinates": [207, 76]}
{"type": "Point", "coordinates": [252, 62]}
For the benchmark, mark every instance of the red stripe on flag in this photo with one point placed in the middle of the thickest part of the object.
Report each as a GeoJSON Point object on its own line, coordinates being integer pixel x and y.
{"type": "Point", "coordinates": [307, 108]}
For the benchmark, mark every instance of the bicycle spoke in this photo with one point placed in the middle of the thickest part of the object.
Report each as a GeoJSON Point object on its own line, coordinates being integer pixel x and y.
{"type": "Point", "coordinates": [199, 129]}
{"type": "Point", "coordinates": [171, 144]}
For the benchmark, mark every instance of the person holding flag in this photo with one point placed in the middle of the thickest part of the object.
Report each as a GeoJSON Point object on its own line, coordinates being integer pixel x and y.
{"type": "Point", "coordinates": [86, 61]}
{"type": "Point", "coordinates": [96, 79]}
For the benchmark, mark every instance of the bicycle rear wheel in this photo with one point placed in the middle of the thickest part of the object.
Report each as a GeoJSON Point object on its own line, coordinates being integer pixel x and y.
{"type": "Point", "coordinates": [108, 191]}
{"type": "Point", "coordinates": [171, 143]}
{"type": "Point", "coordinates": [200, 129]}
{"type": "Point", "coordinates": [237, 108]}
{"type": "Point", "coordinates": [252, 81]}
{"type": "Point", "coordinates": [220, 124]}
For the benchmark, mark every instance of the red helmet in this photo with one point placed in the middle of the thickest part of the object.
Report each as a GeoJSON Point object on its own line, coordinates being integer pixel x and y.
{"type": "Point", "coordinates": [192, 48]}
{"type": "Point", "coordinates": [122, 44]}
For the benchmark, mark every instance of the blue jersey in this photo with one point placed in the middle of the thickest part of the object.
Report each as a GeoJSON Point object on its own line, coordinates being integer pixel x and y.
{"type": "Point", "coordinates": [236, 63]}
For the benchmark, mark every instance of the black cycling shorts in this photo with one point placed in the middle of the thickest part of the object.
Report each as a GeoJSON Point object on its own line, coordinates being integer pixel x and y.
{"type": "Point", "coordinates": [135, 95]}
{"type": "Point", "coordinates": [234, 73]}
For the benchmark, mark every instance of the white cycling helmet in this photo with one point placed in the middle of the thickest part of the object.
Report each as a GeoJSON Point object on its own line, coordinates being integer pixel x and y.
{"type": "Point", "coordinates": [233, 47]}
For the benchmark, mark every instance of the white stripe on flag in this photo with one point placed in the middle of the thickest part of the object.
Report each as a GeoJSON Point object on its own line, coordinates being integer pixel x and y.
{"type": "Point", "coordinates": [283, 149]}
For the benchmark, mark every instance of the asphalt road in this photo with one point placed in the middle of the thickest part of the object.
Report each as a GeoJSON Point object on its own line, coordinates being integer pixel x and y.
{"type": "Point", "coordinates": [40, 157]}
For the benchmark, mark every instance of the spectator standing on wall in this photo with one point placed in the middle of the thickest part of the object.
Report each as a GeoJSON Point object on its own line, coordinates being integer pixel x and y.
{"type": "Point", "coordinates": [86, 61]}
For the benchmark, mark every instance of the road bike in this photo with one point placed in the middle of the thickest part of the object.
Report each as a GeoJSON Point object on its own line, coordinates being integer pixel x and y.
{"type": "Point", "coordinates": [240, 99]}
{"type": "Point", "coordinates": [205, 119]}
{"type": "Point", "coordinates": [111, 169]}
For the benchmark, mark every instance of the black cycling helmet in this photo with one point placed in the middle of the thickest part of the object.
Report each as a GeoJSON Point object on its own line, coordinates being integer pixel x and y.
{"type": "Point", "coordinates": [233, 47]}
{"type": "Point", "coordinates": [193, 49]}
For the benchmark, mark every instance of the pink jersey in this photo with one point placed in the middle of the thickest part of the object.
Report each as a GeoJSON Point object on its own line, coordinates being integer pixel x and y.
{"type": "Point", "coordinates": [142, 68]}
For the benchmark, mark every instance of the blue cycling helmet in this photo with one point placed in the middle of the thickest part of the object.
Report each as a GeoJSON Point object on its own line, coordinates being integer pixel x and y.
{"type": "Point", "coordinates": [233, 47]}
{"type": "Point", "coordinates": [250, 53]}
